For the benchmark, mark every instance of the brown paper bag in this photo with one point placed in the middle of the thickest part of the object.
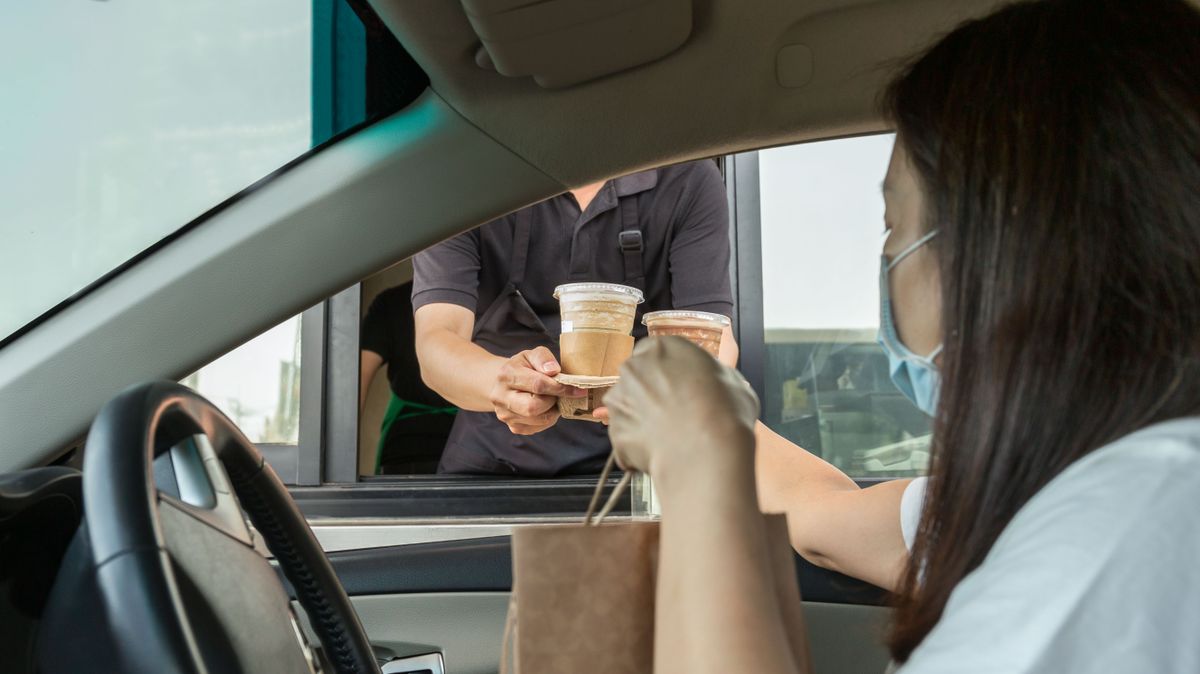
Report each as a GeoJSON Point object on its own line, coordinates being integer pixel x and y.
{"type": "Point", "coordinates": [583, 595]}
{"type": "Point", "coordinates": [787, 588]}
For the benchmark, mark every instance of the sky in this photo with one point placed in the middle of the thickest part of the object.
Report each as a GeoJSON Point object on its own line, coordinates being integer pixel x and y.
{"type": "Point", "coordinates": [822, 233]}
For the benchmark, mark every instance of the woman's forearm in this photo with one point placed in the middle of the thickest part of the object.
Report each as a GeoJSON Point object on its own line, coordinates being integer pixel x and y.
{"type": "Point", "coordinates": [831, 521]}
{"type": "Point", "coordinates": [787, 472]}
{"type": "Point", "coordinates": [718, 607]}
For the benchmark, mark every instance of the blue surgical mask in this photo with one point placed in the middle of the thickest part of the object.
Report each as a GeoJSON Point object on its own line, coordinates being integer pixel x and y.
{"type": "Point", "coordinates": [916, 376]}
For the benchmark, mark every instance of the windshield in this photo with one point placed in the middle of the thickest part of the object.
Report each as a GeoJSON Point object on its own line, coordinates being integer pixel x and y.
{"type": "Point", "coordinates": [125, 120]}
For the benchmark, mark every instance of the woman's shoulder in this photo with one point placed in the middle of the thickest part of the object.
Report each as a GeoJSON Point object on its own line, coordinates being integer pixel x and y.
{"type": "Point", "coordinates": [1116, 534]}
{"type": "Point", "coordinates": [1130, 487]}
{"type": "Point", "coordinates": [1173, 442]}
{"type": "Point", "coordinates": [1138, 467]}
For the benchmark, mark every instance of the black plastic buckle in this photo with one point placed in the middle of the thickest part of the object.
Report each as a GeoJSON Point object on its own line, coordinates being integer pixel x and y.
{"type": "Point", "coordinates": [631, 241]}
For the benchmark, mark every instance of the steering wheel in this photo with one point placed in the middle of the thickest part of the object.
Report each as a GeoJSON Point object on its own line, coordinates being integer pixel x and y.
{"type": "Point", "coordinates": [182, 586]}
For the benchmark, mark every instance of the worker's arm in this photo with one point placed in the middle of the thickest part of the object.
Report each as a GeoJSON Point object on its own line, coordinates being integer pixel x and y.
{"type": "Point", "coordinates": [728, 355]}
{"type": "Point", "coordinates": [369, 363]}
{"type": "Point", "coordinates": [520, 390]}
{"type": "Point", "coordinates": [699, 251]}
{"type": "Point", "coordinates": [832, 522]}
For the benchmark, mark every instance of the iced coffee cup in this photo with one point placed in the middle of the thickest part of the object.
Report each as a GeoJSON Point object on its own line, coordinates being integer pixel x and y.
{"type": "Point", "coordinates": [597, 327]}
{"type": "Point", "coordinates": [698, 327]}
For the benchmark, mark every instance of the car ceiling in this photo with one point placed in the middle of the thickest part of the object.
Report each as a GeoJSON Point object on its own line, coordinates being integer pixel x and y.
{"type": "Point", "coordinates": [477, 145]}
{"type": "Point", "coordinates": [717, 94]}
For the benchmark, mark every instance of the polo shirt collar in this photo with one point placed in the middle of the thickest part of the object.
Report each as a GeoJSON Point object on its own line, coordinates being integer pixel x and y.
{"type": "Point", "coordinates": [606, 200]}
{"type": "Point", "coordinates": [635, 182]}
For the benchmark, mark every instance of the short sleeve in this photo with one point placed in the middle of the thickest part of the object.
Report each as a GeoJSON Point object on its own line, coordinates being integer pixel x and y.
{"type": "Point", "coordinates": [911, 503]}
{"type": "Point", "coordinates": [448, 273]}
{"type": "Point", "coordinates": [699, 251]}
{"type": "Point", "coordinates": [1095, 574]}
{"type": "Point", "coordinates": [376, 333]}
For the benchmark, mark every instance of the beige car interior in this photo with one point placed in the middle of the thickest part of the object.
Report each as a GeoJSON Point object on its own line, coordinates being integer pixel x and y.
{"type": "Point", "coordinates": [749, 75]}
{"type": "Point", "coordinates": [527, 98]}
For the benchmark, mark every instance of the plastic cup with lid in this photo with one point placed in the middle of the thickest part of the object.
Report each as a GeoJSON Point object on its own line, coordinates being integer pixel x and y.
{"type": "Point", "coordinates": [702, 328]}
{"type": "Point", "coordinates": [597, 307]}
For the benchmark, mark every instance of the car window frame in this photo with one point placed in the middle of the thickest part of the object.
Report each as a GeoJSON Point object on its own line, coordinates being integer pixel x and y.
{"type": "Point", "coordinates": [348, 94]}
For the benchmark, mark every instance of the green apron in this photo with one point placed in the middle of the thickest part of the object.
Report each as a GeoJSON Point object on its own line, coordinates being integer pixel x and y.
{"type": "Point", "coordinates": [399, 410]}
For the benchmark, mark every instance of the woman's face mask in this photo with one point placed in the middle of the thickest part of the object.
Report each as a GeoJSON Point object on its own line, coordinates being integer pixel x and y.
{"type": "Point", "coordinates": [909, 291]}
{"type": "Point", "coordinates": [915, 376]}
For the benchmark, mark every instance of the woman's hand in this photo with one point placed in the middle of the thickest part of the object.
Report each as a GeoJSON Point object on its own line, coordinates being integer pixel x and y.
{"type": "Point", "coordinates": [676, 409]}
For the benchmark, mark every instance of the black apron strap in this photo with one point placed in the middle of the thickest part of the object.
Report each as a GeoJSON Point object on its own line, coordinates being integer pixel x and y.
{"type": "Point", "coordinates": [520, 249]}
{"type": "Point", "coordinates": [631, 244]}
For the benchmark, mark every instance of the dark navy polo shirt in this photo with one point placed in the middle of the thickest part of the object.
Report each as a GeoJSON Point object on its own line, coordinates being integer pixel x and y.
{"type": "Point", "coordinates": [684, 220]}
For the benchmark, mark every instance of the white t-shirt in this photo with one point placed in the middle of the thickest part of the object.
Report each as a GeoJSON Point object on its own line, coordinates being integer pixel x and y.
{"type": "Point", "coordinates": [1098, 572]}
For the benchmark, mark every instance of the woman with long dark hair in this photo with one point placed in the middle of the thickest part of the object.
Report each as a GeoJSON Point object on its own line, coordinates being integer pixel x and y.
{"type": "Point", "coordinates": [1041, 295]}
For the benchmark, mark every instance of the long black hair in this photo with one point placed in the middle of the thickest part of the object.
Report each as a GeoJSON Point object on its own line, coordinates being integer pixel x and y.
{"type": "Point", "coordinates": [1058, 145]}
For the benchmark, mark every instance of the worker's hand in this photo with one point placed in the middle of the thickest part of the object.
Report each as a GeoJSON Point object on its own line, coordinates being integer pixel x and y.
{"type": "Point", "coordinates": [525, 395]}
{"type": "Point", "coordinates": [676, 410]}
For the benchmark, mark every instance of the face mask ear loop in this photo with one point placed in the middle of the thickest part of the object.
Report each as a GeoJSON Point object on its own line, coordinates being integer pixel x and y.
{"type": "Point", "coordinates": [935, 353]}
{"type": "Point", "coordinates": [912, 248]}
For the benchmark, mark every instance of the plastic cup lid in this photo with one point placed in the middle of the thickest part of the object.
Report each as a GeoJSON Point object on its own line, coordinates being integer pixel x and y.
{"type": "Point", "coordinates": [686, 316]}
{"type": "Point", "coordinates": [599, 288]}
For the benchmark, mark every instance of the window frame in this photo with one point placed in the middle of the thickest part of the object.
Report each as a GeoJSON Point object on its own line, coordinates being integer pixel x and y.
{"type": "Point", "coordinates": [294, 463]}
{"type": "Point", "coordinates": [745, 215]}
{"type": "Point", "coordinates": [325, 468]}
{"type": "Point", "coordinates": [341, 492]}
{"type": "Point", "coordinates": [348, 92]}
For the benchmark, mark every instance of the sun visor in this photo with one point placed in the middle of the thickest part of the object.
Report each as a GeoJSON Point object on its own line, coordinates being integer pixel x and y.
{"type": "Point", "coordinates": [563, 42]}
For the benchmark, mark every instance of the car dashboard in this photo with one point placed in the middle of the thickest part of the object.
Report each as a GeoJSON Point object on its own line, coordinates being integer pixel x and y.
{"type": "Point", "coordinates": [40, 511]}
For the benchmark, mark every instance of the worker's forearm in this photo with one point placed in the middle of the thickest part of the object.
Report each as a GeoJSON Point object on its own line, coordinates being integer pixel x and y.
{"type": "Point", "coordinates": [458, 369]}
{"type": "Point", "coordinates": [718, 607]}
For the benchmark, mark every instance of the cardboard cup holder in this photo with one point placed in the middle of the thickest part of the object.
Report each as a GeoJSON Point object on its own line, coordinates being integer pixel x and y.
{"type": "Point", "coordinates": [581, 408]}
{"type": "Point", "coordinates": [596, 354]}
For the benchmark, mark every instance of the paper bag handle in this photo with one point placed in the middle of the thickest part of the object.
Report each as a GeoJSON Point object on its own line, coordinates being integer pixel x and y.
{"type": "Point", "coordinates": [612, 498]}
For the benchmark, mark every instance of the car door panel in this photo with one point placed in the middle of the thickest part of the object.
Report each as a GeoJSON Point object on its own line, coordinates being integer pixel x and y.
{"type": "Point", "coordinates": [485, 564]}
{"type": "Point", "coordinates": [452, 596]}
{"type": "Point", "coordinates": [468, 629]}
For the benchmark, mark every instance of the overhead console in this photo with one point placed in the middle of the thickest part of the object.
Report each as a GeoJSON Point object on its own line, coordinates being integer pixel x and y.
{"type": "Point", "coordinates": [564, 42]}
